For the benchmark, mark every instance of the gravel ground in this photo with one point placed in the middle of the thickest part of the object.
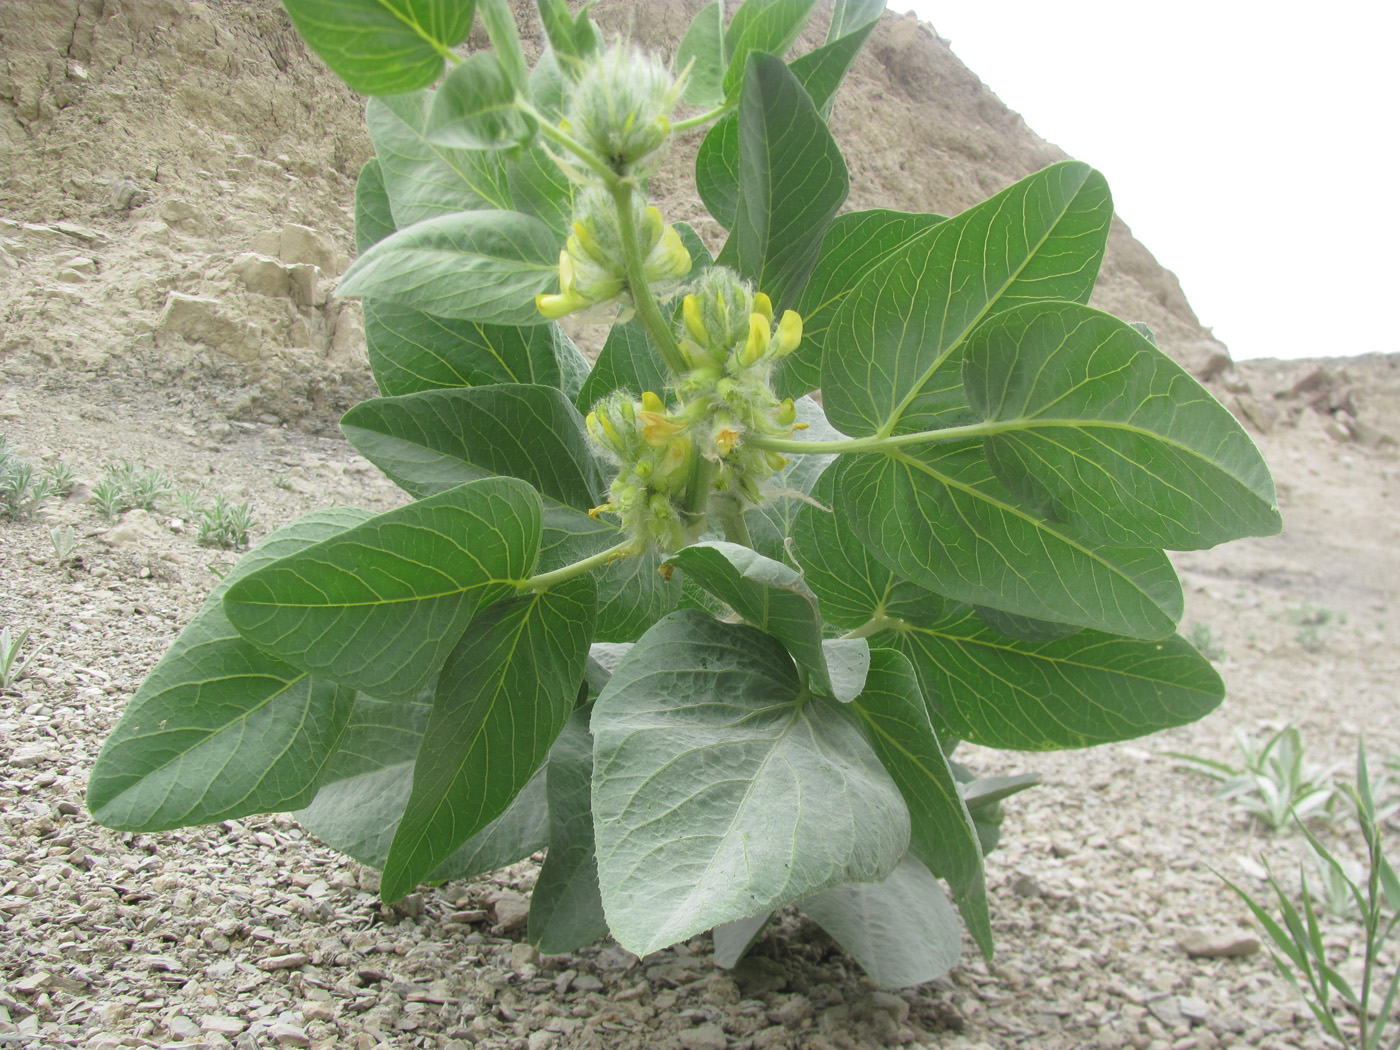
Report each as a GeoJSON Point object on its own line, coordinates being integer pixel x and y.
{"type": "Point", "coordinates": [252, 934]}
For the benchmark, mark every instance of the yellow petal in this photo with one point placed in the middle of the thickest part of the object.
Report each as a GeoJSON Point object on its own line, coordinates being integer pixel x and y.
{"type": "Point", "coordinates": [789, 334]}
{"type": "Point", "coordinates": [756, 345]}
{"type": "Point", "coordinates": [657, 429]}
{"type": "Point", "coordinates": [690, 310]}
{"type": "Point", "coordinates": [763, 305]}
{"type": "Point", "coordinates": [652, 403]}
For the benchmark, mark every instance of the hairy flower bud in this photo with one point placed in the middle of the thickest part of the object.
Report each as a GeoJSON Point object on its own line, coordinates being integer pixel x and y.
{"type": "Point", "coordinates": [621, 110]}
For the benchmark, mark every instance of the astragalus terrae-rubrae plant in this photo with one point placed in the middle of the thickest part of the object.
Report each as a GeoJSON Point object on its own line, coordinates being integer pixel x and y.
{"type": "Point", "coordinates": [705, 637]}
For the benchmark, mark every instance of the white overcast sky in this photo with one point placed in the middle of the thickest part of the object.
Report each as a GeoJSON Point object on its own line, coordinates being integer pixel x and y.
{"type": "Point", "coordinates": [1252, 147]}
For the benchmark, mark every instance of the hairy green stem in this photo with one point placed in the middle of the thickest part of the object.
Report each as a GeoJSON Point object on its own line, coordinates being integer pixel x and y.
{"type": "Point", "coordinates": [731, 517]}
{"type": "Point", "coordinates": [545, 580]}
{"type": "Point", "coordinates": [648, 312]}
{"type": "Point", "coordinates": [877, 443]}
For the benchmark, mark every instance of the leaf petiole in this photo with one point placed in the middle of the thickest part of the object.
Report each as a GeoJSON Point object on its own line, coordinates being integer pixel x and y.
{"type": "Point", "coordinates": [545, 580]}
{"type": "Point", "coordinates": [722, 110]}
{"type": "Point", "coordinates": [879, 443]}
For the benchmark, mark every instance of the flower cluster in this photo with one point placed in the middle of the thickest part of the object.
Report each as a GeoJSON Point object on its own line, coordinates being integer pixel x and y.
{"type": "Point", "coordinates": [728, 338]}
{"type": "Point", "coordinates": [655, 458]}
{"type": "Point", "coordinates": [591, 270]}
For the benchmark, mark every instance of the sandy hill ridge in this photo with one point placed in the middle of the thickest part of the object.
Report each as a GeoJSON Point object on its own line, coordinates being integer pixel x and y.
{"type": "Point", "coordinates": [179, 185]}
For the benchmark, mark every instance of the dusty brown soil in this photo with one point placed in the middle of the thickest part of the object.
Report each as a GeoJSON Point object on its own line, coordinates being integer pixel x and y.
{"type": "Point", "coordinates": [147, 146]}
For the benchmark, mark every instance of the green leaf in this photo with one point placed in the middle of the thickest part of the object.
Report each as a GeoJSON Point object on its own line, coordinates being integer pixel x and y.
{"type": "Point", "coordinates": [733, 940]}
{"type": "Point", "coordinates": [373, 219]}
{"type": "Point", "coordinates": [632, 595]}
{"type": "Point", "coordinates": [717, 170]}
{"type": "Point", "coordinates": [770, 596]}
{"type": "Point", "coordinates": [902, 931]}
{"type": "Point", "coordinates": [891, 357]}
{"type": "Point", "coordinates": [424, 180]}
{"type": "Point", "coordinates": [383, 47]}
{"type": "Point", "coordinates": [769, 27]}
{"type": "Point", "coordinates": [792, 180]}
{"type": "Point", "coordinates": [434, 440]}
{"type": "Point", "coordinates": [410, 350]}
{"type": "Point", "coordinates": [938, 517]}
{"type": "Point", "coordinates": [370, 778]}
{"type": "Point", "coordinates": [573, 36]}
{"type": "Point", "coordinates": [822, 71]}
{"type": "Point", "coordinates": [220, 729]}
{"type": "Point", "coordinates": [702, 50]}
{"type": "Point", "coordinates": [853, 244]}
{"type": "Point", "coordinates": [573, 366]}
{"type": "Point", "coordinates": [1091, 688]}
{"type": "Point", "coordinates": [498, 17]}
{"type": "Point", "coordinates": [381, 606]}
{"type": "Point", "coordinates": [626, 362]}
{"type": "Point", "coordinates": [854, 587]}
{"type": "Point", "coordinates": [484, 266]}
{"type": "Point", "coordinates": [475, 108]}
{"type": "Point", "coordinates": [771, 522]}
{"type": "Point", "coordinates": [941, 833]}
{"type": "Point", "coordinates": [851, 16]}
{"type": "Point", "coordinates": [566, 911]}
{"type": "Point", "coordinates": [1099, 428]}
{"type": "Point", "coordinates": [722, 789]}
{"type": "Point", "coordinates": [501, 700]}
{"type": "Point", "coordinates": [1023, 628]}
{"type": "Point", "coordinates": [537, 187]}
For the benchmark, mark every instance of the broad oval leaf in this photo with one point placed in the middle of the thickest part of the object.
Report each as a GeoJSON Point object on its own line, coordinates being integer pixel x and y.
{"type": "Point", "coordinates": [853, 244]}
{"type": "Point", "coordinates": [373, 219]}
{"type": "Point", "coordinates": [1090, 688]}
{"type": "Point", "coordinates": [566, 909]}
{"type": "Point", "coordinates": [411, 350]}
{"type": "Point", "coordinates": [854, 586]}
{"type": "Point", "coordinates": [722, 789]}
{"type": "Point", "coordinates": [380, 606]}
{"type": "Point", "coordinates": [1097, 427]}
{"type": "Point", "coordinates": [890, 362]}
{"type": "Point", "coordinates": [434, 440]}
{"type": "Point", "coordinates": [368, 782]}
{"type": "Point", "coordinates": [774, 599]}
{"type": "Point", "coordinates": [422, 179]}
{"type": "Point", "coordinates": [766, 27]}
{"type": "Point", "coordinates": [501, 699]}
{"type": "Point", "coordinates": [941, 833]}
{"type": "Point", "coordinates": [938, 518]}
{"type": "Point", "coordinates": [821, 71]}
{"type": "Point", "coordinates": [475, 107]}
{"type": "Point", "coordinates": [902, 931]}
{"type": "Point", "coordinates": [383, 47]}
{"type": "Point", "coordinates": [702, 51]}
{"type": "Point", "coordinates": [792, 180]}
{"type": "Point", "coordinates": [484, 266]}
{"type": "Point", "coordinates": [219, 729]}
